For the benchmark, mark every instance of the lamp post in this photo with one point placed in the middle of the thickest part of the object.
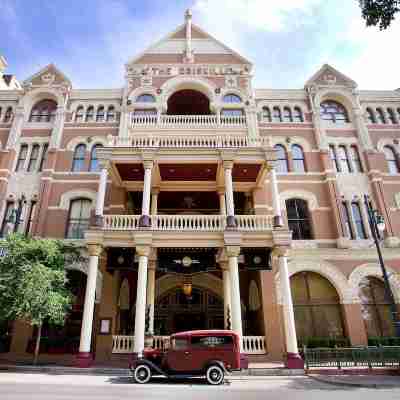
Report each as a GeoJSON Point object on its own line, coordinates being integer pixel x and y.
{"type": "Point", "coordinates": [377, 225]}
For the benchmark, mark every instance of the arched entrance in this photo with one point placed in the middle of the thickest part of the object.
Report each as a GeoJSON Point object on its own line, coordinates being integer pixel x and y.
{"type": "Point", "coordinates": [188, 102]}
{"type": "Point", "coordinates": [175, 312]}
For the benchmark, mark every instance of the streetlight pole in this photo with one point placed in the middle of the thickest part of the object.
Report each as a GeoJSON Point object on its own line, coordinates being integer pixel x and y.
{"type": "Point", "coordinates": [377, 224]}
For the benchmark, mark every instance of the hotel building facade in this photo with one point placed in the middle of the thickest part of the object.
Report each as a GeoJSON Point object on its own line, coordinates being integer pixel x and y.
{"type": "Point", "coordinates": [200, 202]}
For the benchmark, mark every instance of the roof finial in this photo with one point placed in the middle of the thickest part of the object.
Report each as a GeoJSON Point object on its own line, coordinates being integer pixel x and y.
{"type": "Point", "coordinates": [188, 20]}
{"type": "Point", "coordinates": [188, 14]}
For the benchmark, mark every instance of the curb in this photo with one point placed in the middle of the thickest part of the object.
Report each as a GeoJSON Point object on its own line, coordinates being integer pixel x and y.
{"type": "Point", "coordinates": [354, 385]}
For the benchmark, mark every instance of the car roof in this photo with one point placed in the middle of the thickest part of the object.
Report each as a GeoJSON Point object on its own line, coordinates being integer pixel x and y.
{"type": "Point", "coordinates": [205, 332]}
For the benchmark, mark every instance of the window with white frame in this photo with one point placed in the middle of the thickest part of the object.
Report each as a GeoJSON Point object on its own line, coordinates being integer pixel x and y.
{"type": "Point", "coordinates": [287, 114]}
{"type": "Point", "coordinates": [6, 225]}
{"type": "Point", "coordinates": [370, 116]}
{"type": "Point", "coordinates": [78, 162]}
{"type": "Point", "coordinates": [334, 112]}
{"type": "Point", "coordinates": [334, 159]}
{"type": "Point", "coordinates": [100, 115]}
{"type": "Point", "coordinates": [79, 114]}
{"type": "Point", "coordinates": [43, 111]}
{"type": "Point", "coordinates": [391, 116]}
{"type": "Point", "coordinates": [358, 220]}
{"type": "Point", "coordinates": [43, 157]}
{"type": "Point", "coordinates": [232, 98]}
{"type": "Point", "coordinates": [299, 164]}
{"type": "Point", "coordinates": [299, 219]}
{"type": "Point", "coordinates": [90, 114]}
{"type": "Point", "coordinates": [78, 218]}
{"type": "Point", "coordinates": [281, 163]}
{"type": "Point", "coordinates": [344, 159]}
{"type": "Point", "coordinates": [23, 153]}
{"type": "Point", "coordinates": [297, 115]}
{"type": "Point", "coordinates": [391, 160]}
{"type": "Point", "coordinates": [266, 114]}
{"type": "Point", "coordinates": [380, 116]}
{"type": "Point", "coordinates": [94, 162]}
{"type": "Point", "coordinates": [111, 116]}
{"type": "Point", "coordinates": [356, 158]}
{"type": "Point", "coordinates": [276, 114]}
{"type": "Point", "coordinates": [33, 158]}
{"type": "Point", "coordinates": [146, 98]}
{"type": "Point", "coordinates": [346, 217]}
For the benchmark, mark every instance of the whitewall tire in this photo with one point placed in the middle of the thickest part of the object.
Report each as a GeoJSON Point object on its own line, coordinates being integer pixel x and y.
{"type": "Point", "coordinates": [142, 374]}
{"type": "Point", "coordinates": [215, 375]}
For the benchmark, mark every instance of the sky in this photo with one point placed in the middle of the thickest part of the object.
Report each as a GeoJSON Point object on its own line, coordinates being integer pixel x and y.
{"type": "Point", "coordinates": [286, 40]}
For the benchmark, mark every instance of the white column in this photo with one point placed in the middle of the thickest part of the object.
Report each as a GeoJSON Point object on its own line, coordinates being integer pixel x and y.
{"type": "Point", "coordinates": [140, 316]}
{"type": "Point", "coordinates": [145, 220]}
{"type": "Point", "coordinates": [151, 282]}
{"type": "Point", "coordinates": [58, 127]}
{"type": "Point", "coordinates": [288, 313]}
{"type": "Point", "coordinates": [230, 207]}
{"type": "Point", "coordinates": [101, 193]}
{"type": "Point", "coordinates": [236, 309]}
{"type": "Point", "coordinates": [154, 202]}
{"type": "Point", "coordinates": [222, 205]}
{"type": "Point", "coordinates": [276, 201]}
{"type": "Point", "coordinates": [90, 295]}
{"type": "Point", "coordinates": [227, 296]}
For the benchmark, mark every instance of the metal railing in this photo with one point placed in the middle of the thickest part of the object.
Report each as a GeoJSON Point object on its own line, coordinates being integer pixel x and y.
{"type": "Point", "coordinates": [381, 356]}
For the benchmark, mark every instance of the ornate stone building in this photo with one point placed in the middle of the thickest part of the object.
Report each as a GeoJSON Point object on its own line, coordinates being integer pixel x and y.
{"type": "Point", "coordinates": [201, 202]}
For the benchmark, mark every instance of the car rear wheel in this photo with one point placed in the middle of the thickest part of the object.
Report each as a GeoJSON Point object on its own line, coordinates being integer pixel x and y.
{"type": "Point", "coordinates": [215, 375]}
{"type": "Point", "coordinates": [142, 373]}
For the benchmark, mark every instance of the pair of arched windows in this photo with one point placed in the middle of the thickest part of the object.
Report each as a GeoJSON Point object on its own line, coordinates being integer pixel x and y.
{"type": "Point", "coordinates": [78, 218]}
{"type": "Point", "coordinates": [43, 111]}
{"type": "Point", "coordinates": [78, 161]}
{"type": "Point", "coordinates": [277, 115]}
{"type": "Point", "coordinates": [101, 114]}
{"type": "Point", "coordinates": [282, 159]}
{"type": "Point", "coordinates": [378, 116]}
{"type": "Point", "coordinates": [8, 115]}
{"type": "Point", "coordinates": [345, 159]}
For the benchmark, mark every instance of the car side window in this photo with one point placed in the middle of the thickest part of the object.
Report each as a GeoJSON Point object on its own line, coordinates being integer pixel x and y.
{"type": "Point", "coordinates": [212, 341]}
{"type": "Point", "coordinates": [179, 344]}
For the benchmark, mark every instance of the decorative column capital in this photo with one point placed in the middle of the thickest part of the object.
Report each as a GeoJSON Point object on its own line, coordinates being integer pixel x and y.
{"type": "Point", "coordinates": [227, 164]}
{"type": "Point", "coordinates": [280, 251]}
{"type": "Point", "coordinates": [232, 251]}
{"type": "Point", "coordinates": [143, 251]}
{"type": "Point", "coordinates": [94, 249]}
{"type": "Point", "coordinates": [148, 164]}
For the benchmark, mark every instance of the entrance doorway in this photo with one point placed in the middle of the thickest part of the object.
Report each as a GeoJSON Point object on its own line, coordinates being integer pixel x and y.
{"type": "Point", "coordinates": [189, 321]}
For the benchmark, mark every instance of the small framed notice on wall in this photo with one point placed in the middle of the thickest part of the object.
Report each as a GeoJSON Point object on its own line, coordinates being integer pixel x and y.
{"type": "Point", "coordinates": [105, 326]}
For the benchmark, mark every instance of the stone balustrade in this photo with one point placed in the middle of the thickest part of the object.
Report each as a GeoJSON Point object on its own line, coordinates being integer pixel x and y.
{"type": "Point", "coordinates": [188, 121]}
{"type": "Point", "coordinates": [200, 222]}
{"type": "Point", "coordinates": [123, 344]}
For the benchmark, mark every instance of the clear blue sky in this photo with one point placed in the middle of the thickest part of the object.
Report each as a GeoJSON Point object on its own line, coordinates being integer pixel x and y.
{"type": "Point", "coordinates": [287, 40]}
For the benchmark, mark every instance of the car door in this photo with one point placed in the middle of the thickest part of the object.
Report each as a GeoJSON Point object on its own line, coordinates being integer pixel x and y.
{"type": "Point", "coordinates": [179, 356]}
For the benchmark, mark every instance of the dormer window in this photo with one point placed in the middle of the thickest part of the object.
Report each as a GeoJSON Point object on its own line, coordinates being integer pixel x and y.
{"type": "Point", "coordinates": [334, 112]}
{"type": "Point", "coordinates": [43, 111]}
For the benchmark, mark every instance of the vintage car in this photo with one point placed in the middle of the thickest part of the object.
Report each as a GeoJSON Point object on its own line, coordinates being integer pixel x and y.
{"type": "Point", "coordinates": [207, 353]}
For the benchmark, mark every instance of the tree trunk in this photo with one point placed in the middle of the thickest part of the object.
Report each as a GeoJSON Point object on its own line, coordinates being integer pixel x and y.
{"type": "Point", "coordinates": [37, 346]}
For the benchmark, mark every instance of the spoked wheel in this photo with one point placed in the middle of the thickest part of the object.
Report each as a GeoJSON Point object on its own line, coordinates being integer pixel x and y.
{"type": "Point", "coordinates": [215, 375]}
{"type": "Point", "coordinates": [142, 374]}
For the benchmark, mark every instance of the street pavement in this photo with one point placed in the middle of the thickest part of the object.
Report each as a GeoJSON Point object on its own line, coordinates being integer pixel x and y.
{"type": "Point", "coordinates": [34, 386]}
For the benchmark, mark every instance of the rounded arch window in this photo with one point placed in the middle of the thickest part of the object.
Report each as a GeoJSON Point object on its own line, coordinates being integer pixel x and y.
{"type": "Point", "coordinates": [90, 114]}
{"type": "Point", "coordinates": [78, 218]}
{"type": "Point", "coordinates": [146, 98]}
{"type": "Point", "coordinates": [111, 115]}
{"type": "Point", "coordinates": [78, 162]}
{"type": "Point", "coordinates": [232, 98]}
{"type": "Point", "coordinates": [334, 112]}
{"type": "Point", "coordinates": [371, 116]}
{"type": "Point", "coordinates": [100, 114]}
{"type": "Point", "coordinates": [281, 163]}
{"type": "Point", "coordinates": [317, 309]}
{"type": "Point", "coordinates": [43, 111]}
{"type": "Point", "coordinates": [391, 160]}
{"type": "Point", "coordinates": [8, 115]}
{"type": "Point", "coordinates": [391, 116]}
{"type": "Point", "coordinates": [375, 308]}
{"type": "Point", "coordinates": [297, 115]}
{"type": "Point", "coordinates": [298, 158]}
{"type": "Point", "coordinates": [79, 114]}
{"type": "Point", "coordinates": [266, 114]}
{"type": "Point", "coordinates": [94, 161]}
{"type": "Point", "coordinates": [287, 115]}
{"type": "Point", "coordinates": [299, 220]}
{"type": "Point", "coordinates": [380, 116]}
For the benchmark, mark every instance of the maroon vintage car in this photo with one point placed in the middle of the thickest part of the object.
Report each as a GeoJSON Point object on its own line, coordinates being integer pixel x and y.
{"type": "Point", "coordinates": [208, 353]}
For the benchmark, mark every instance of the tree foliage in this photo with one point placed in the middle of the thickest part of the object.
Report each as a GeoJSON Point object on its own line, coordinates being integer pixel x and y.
{"type": "Point", "coordinates": [33, 280]}
{"type": "Point", "coordinates": [379, 12]}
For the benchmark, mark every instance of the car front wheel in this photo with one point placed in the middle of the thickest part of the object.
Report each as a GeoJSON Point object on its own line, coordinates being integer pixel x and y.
{"type": "Point", "coordinates": [215, 375]}
{"type": "Point", "coordinates": [142, 374]}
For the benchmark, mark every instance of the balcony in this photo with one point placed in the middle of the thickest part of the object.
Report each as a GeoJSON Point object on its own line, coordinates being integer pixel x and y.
{"type": "Point", "coordinates": [190, 141]}
{"type": "Point", "coordinates": [187, 121]}
{"type": "Point", "coordinates": [204, 223]}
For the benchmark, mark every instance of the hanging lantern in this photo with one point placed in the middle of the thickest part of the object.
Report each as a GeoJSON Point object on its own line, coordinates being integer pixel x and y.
{"type": "Point", "coordinates": [187, 286]}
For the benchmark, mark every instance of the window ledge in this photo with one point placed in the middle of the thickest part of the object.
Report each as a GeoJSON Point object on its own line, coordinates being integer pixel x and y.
{"type": "Point", "coordinates": [346, 243]}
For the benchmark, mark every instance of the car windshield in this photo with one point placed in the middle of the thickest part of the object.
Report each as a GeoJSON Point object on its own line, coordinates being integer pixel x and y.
{"type": "Point", "coordinates": [212, 341]}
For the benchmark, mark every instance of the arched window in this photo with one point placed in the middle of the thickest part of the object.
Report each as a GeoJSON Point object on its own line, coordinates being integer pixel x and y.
{"type": "Point", "coordinates": [94, 162]}
{"type": "Point", "coordinates": [317, 309]}
{"type": "Point", "coordinates": [146, 98]}
{"type": "Point", "coordinates": [78, 162]}
{"type": "Point", "coordinates": [358, 220]}
{"type": "Point", "coordinates": [344, 159]}
{"type": "Point", "coordinates": [266, 114]}
{"type": "Point", "coordinates": [287, 115]}
{"type": "Point", "coordinates": [375, 308]}
{"type": "Point", "coordinates": [298, 158]}
{"type": "Point", "coordinates": [371, 116]}
{"type": "Point", "coordinates": [335, 161]}
{"type": "Point", "coordinates": [78, 218]}
{"type": "Point", "coordinates": [232, 98]}
{"type": "Point", "coordinates": [8, 116]}
{"type": "Point", "coordinates": [334, 112]}
{"type": "Point", "coordinates": [111, 114]}
{"type": "Point", "coordinates": [281, 163]}
{"type": "Point", "coordinates": [276, 114]}
{"type": "Point", "coordinates": [21, 158]}
{"type": "Point", "coordinates": [100, 114]}
{"type": "Point", "coordinates": [43, 111]}
{"type": "Point", "coordinates": [391, 116]}
{"type": "Point", "coordinates": [90, 114]}
{"type": "Point", "coordinates": [297, 115]}
{"type": "Point", "coordinates": [380, 116]}
{"type": "Point", "coordinates": [356, 159]}
{"type": "Point", "coordinates": [298, 219]}
{"type": "Point", "coordinates": [391, 159]}
{"type": "Point", "coordinates": [79, 114]}
{"type": "Point", "coordinates": [34, 157]}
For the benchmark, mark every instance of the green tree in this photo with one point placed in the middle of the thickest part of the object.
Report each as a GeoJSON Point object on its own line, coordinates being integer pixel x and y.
{"type": "Point", "coordinates": [33, 276]}
{"type": "Point", "coordinates": [379, 12]}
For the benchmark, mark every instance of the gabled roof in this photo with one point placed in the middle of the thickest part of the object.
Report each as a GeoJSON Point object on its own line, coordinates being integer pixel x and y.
{"type": "Point", "coordinates": [58, 77]}
{"type": "Point", "coordinates": [327, 75]}
{"type": "Point", "coordinates": [200, 41]}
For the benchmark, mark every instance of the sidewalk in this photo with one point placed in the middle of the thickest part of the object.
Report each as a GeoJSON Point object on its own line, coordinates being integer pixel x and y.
{"type": "Point", "coordinates": [363, 381]}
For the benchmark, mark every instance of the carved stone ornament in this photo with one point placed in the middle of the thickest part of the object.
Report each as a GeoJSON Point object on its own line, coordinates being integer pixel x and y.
{"type": "Point", "coordinates": [48, 78]}
{"type": "Point", "coordinates": [330, 79]}
{"type": "Point", "coordinates": [146, 80]}
{"type": "Point", "coordinates": [231, 81]}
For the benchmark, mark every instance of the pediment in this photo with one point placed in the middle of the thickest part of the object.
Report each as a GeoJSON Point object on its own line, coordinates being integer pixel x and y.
{"type": "Point", "coordinates": [329, 76]}
{"type": "Point", "coordinates": [48, 76]}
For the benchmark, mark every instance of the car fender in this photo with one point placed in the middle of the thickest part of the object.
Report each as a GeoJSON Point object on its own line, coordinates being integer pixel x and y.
{"type": "Point", "coordinates": [143, 361]}
{"type": "Point", "coordinates": [215, 362]}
